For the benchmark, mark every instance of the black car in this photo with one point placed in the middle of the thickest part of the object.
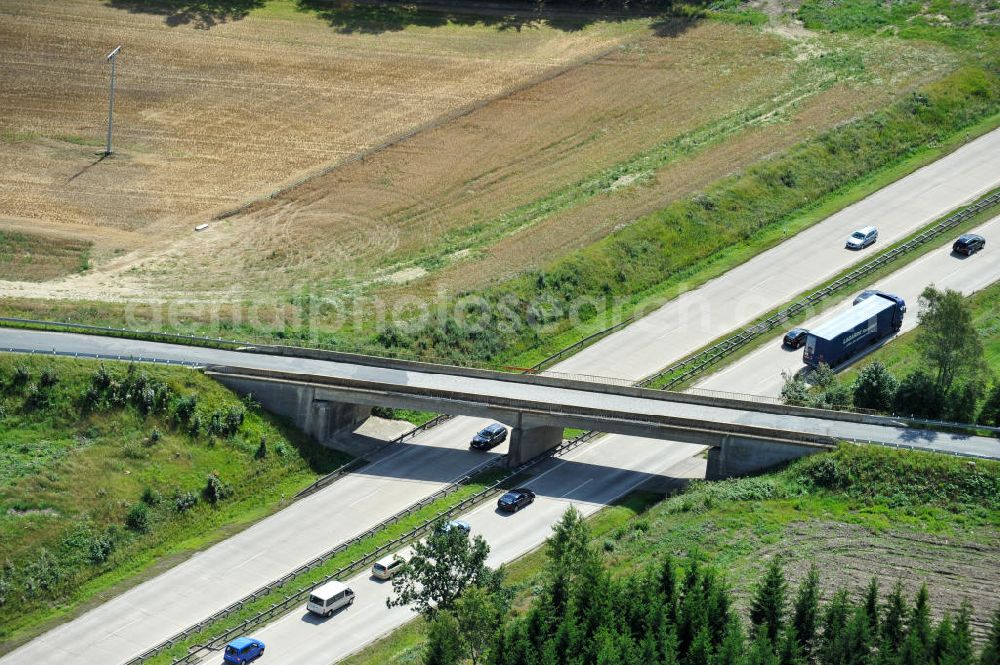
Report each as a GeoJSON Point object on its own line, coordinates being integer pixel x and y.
{"type": "Point", "coordinates": [795, 337]}
{"type": "Point", "coordinates": [515, 499]}
{"type": "Point", "coordinates": [490, 436]}
{"type": "Point", "coordinates": [969, 244]}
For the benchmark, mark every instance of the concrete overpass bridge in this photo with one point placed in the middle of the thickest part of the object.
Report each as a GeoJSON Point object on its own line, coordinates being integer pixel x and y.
{"type": "Point", "coordinates": [323, 391]}
{"type": "Point", "coordinates": [745, 436]}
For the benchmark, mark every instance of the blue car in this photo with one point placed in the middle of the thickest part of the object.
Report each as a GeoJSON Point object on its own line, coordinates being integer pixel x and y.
{"type": "Point", "coordinates": [243, 650]}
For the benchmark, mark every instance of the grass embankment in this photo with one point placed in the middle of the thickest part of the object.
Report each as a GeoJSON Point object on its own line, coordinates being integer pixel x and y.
{"type": "Point", "coordinates": [728, 223]}
{"type": "Point", "coordinates": [902, 358]}
{"type": "Point", "coordinates": [855, 512]}
{"type": "Point", "coordinates": [107, 476]}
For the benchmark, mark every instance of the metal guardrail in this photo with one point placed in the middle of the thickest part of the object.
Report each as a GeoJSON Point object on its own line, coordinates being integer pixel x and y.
{"type": "Point", "coordinates": [103, 356]}
{"type": "Point", "coordinates": [698, 362]}
{"type": "Point", "coordinates": [300, 594]}
{"type": "Point", "coordinates": [576, 346]}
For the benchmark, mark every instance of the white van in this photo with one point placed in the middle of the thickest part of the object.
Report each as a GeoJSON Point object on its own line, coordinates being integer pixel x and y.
{"type": "Point", "coordinates": [385, 568]}
{"type": "Point", "coordinates": [329, 598]}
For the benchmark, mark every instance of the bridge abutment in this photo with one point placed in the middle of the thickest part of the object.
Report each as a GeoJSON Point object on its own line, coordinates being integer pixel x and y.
{"type": "Point", "coordinates": [529, 439]}
{"type": "Point", "coordinates": [744, 456]}
{"type": "Point", "coordinates": [319, 418]}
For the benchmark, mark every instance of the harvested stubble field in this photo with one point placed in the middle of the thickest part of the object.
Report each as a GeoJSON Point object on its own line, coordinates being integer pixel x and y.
{"type": "Point", "coordinates": [587, 130]}
{"type": "Point", "coordinates": [207, 119]}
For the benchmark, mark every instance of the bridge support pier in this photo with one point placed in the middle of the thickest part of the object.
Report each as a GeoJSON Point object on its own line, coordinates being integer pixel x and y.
{"type": "Point", "coordinates": [320, 419]}
{"type": "Point", "coordinates": [743, 456]}
{"type": "Point", "coordinates": [528, 440]}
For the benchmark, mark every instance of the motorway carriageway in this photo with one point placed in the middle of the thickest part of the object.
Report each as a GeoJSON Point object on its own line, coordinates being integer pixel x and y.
{"type": "Point", "coordinates": [588, 478]}
{"type": "Point", "coordinates": [131, 623]}
{"type": "Point", "coordinates": [759, 372]}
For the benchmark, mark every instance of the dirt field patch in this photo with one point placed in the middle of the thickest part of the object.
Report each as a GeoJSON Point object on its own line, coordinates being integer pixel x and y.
{"type": "Point", "coordinates": [38, 258]}
{"type": "Point", "coordinates": [954, 569]}
{"type": "Point", "coordinates": [207, 119]}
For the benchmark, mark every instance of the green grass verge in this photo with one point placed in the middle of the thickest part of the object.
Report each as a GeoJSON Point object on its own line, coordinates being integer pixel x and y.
{"type": "Point", "coordinates": [75, 464]}
{"type": "Point", "coordinates": [806, 513]}
{"type": "Point", "coordinates": [350, 554]}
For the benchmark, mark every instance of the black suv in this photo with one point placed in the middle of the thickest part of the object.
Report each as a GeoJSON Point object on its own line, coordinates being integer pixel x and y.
{"type": "Point", "coordinates": [490, 436]}
{"type": "Point", "coordinates": [969, 244]}
{"type": "Point", "coordinates": [515, 499]}
{"type": "Point", "coordinates": [795, 338]}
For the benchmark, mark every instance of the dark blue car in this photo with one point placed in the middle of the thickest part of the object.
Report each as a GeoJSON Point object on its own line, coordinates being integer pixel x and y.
{"type": "Point", "coordinates": [243, 650]}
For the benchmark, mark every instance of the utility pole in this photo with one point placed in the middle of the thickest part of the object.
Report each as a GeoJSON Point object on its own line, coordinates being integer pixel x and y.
{"type": "Point", "coordinates": [113, 57]}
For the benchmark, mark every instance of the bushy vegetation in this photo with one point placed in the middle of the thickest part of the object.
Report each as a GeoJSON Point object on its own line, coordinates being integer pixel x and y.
{"type": "Point", "coordinates": [106, 467]}
{"type": "Point", "coordinates": [868, 510]}
{"type": "Point", "coordinates": [667, 613]}
{"type": "Point", "coordinates": [949, 377]}
{"type": "Point", "coordinates": [516, 315]}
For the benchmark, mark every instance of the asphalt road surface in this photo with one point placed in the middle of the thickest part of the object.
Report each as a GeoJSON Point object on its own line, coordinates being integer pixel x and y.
{"type": "Point", "coordinates": [759, 373]}
{"type": "Point", "coordinates": [688, 322]}
{"type": "Point", "coordinates": [130, 623]}
{"type": "Point", "coordinates": [588, 478]}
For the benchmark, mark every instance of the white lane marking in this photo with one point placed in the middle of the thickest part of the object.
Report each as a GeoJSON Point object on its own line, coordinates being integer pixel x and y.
{"type": "Point", "coordinates": [362, 498]}
{"type": "Point", "coordinates": [563, 496]}
{"type": "Point", "coordinates": [245, 562]}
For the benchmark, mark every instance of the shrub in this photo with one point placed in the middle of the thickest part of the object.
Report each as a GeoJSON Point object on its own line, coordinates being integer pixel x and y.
{"type": "Point", "coordinates": [261, 449]}
{"type": "Point", "coordinates": [216, 490]}
{"type": "Point", "coordinates": [185, 501]}
{"type": "Point", "coordinates": [184, 408]}
{"type": "Point", "coordinates": [918, 395]}
{"type": "Point", "coordinates": [100, 379]}
{"type": "Point", "coordinates": [34, 397]}
{"type": "Point", "coordinates": [990, 415]}
{"type": "Point", "coordinates": [794, 392]}
{"type": "Point", "coordinates": [195, 426]}
{"type": "Point", "coordinates": [21, 375]}
{"type": "Point", "coordinates": [100, 549]}
{"type": "Point", "coordinates": [875, 388]}
{"type": "Point", "coordinates": [138, 519]}
{"type": "Point", "coordinates": [48, 378]}
{"type": "Point", "coordinates": [963, 402]}
{"type": "Point", "coordinates": [151, 497]}
{"type": "Point", "coordinates": [234, 420]}
{"type": "Point", "coordinates": [43, 575]}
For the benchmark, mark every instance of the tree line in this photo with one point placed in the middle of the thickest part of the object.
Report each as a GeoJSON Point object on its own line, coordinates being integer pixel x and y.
{"type": "Point", "coordinates": [951, 382]}
{"type": "Point", "coordinates": [666, 614]}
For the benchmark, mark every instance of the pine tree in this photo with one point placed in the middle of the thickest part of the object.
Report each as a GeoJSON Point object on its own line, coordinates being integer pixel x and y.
{"type": "Point", "coordinates": [858, 643]}
{"type": "Point", "coordinates": [790, 651]}
{"type": "Point", "coordinates": [807, 610]}
{"type": "Point", "coordinates": [961, 651]}
{"type": "Point", "coordinates": [767, 609]}
{"type": "Point", "coordinates": [871, 605]}
{"type": "Point", "coordinates": [700, 652]}
{"type": "Point", "coordinates": [668, 587]}
{"type": "Point", "coordinates": [732, 649]}
{"type": "Point", "coordinates": [991, 650]}
{"type": "Point", "coordinates": [893, 630]}
{"type": "Point", "coordinates": [762, 651]}
{"type": "Point", "coordinates": [920, 618]}
{"type": "Point", "coordinates": [833, 647]}
{"type": "Point", "coordinates": [443, 641]}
